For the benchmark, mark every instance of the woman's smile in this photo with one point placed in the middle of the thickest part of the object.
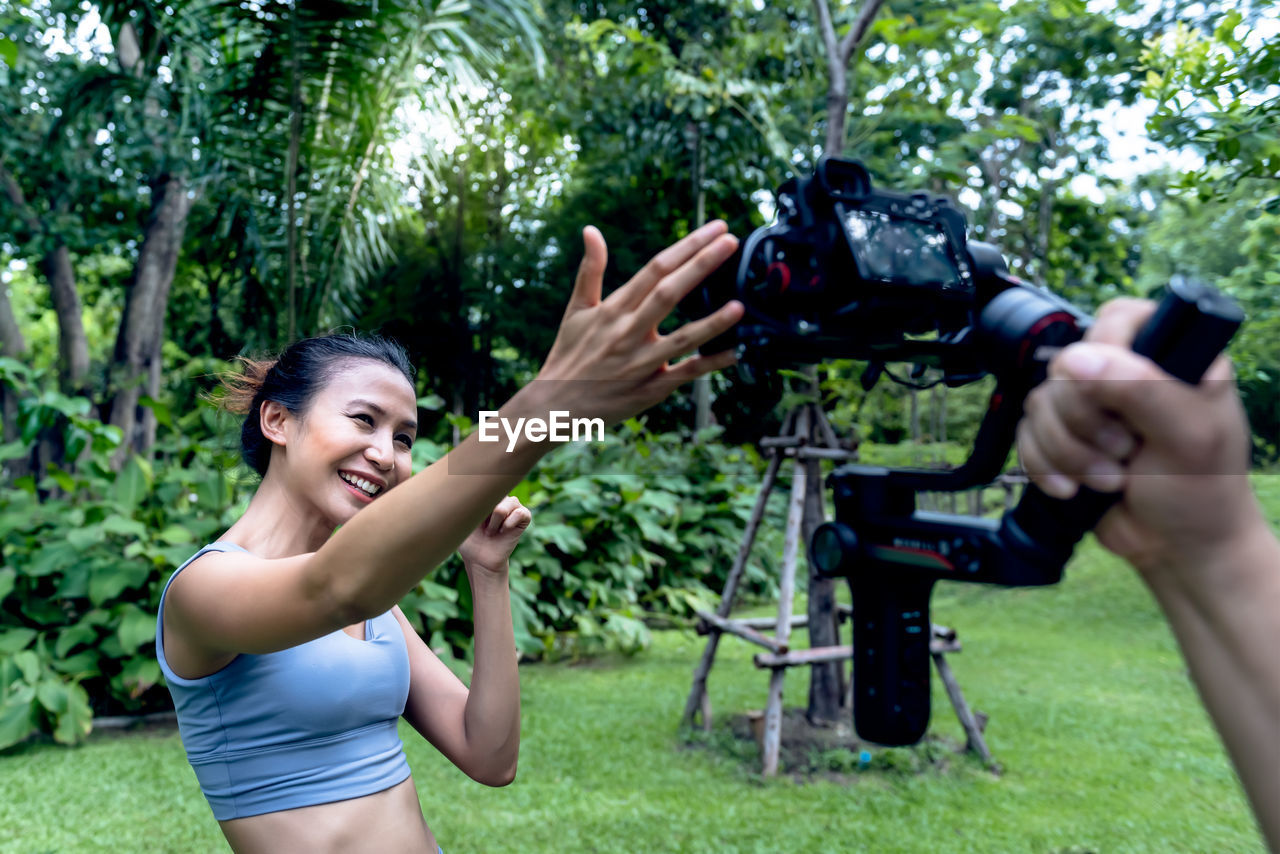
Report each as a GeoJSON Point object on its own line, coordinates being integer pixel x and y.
{"type": "Point", "coordinates": [364, 487]}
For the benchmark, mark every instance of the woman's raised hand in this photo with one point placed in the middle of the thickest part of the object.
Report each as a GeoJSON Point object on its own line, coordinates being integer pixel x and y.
{"type": "Point", "coordinates": [608, 360]}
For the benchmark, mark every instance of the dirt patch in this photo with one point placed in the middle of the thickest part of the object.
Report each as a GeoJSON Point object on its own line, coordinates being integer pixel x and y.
{"type": "Point", "coordinates": [809, 752]}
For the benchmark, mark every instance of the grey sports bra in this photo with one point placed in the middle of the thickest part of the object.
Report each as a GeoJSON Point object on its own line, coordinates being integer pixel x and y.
{"type": "Point", "coordinates": [307, 725]}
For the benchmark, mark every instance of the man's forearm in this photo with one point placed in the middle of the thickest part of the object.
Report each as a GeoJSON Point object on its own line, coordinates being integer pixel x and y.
{"type": "Point", "coordinates": [1226, 618]}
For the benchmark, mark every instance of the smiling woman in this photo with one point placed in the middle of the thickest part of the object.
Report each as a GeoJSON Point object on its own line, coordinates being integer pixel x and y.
{"type": "Point", "coordinates": [281, 643]}
{"type": "Point", "coordinates": [288, 740]}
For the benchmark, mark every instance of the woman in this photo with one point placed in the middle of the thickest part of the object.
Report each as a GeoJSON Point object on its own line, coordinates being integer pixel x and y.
{"type": "Point", "coordinates": [289, 724]}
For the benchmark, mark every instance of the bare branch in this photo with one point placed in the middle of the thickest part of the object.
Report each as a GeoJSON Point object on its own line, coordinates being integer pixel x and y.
{"type": "Point", "coordinates": [859, 30]}
{"type": "Point", "coordinates": [827, 30]}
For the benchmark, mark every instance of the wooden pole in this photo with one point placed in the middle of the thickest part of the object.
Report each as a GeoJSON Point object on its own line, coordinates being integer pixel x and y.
{"type": "Point", "coordinates": [695, 702]}
{"type": "Point", "coordinates": [786, 592]}
{"type": "Point", "coordinates": [972, 731]}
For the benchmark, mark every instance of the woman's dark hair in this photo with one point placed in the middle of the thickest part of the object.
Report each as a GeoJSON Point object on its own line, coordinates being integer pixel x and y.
{"type": "Point", "coordinates": [293, 379]}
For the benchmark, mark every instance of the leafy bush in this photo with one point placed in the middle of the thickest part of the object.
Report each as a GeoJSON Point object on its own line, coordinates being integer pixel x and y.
{"type": "Point", "coordinates": [637, 525]}
{"type": "Point", "coordinates": [85, 552]}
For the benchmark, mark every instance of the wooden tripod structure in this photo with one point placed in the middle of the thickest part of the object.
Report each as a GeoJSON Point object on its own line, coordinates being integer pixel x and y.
{"type": "Point", "coordinates": [806, 435]}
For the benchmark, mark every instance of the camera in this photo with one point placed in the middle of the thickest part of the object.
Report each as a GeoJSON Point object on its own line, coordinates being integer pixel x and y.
{"type": "Point", "coordinates": [851, 271]}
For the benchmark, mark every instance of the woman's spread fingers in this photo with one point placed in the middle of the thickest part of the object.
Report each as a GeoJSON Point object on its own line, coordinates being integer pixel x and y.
{"type": "Point", "coordinates": [664, 296]}
{"type": "Point", "coordinates": [694, 367]}
{"type": "Point", "coordinates": [694, 334]}
{"type": "Point", "coordinates": [665, 263]}
{"type": "Point", "coordinates": [586, 287]}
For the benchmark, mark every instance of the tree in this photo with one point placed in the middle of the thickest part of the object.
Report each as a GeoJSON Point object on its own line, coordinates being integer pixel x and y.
{"type": "Point", "coordinates": [825, 696]}
{"type": "Point", "coordinates": [281, 114]}
{"type": "Point", "coordinates": [1214, 86]}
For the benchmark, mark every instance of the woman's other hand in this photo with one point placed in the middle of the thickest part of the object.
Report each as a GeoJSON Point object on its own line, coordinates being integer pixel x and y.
{"type": "Point", "coordinates": [491, 543]}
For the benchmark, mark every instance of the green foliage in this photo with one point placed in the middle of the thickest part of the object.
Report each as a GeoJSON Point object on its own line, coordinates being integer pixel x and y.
{"type": "Point", "coordinates": [1233, 241]}
{"type": "Point", "coordinates": [1214, 86]}
{"type": "Point", "coordinates": [637, 525]}
{"type": "Point", "coordinates": [85, 552]}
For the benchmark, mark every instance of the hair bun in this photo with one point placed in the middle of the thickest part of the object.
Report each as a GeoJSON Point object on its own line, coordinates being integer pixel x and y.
{"type": "Point", "coordinates": [237, 389]}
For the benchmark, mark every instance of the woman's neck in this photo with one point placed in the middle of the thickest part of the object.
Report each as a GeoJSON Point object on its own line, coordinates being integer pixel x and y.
{"type": "Point", "coordinates": [277, 524]}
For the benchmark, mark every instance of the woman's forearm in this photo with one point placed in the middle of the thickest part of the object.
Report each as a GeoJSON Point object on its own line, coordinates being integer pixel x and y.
{"type": "Point", "coordinates": [1226, 618]}
{"type": "Point", "coordinates": [491, 721]}
{"type": "Point", "coordinates": [373, 560]}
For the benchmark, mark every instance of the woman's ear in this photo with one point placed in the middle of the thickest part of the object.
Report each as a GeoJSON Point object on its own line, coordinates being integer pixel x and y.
{"type": "Point", "coordinates": [273, 418]}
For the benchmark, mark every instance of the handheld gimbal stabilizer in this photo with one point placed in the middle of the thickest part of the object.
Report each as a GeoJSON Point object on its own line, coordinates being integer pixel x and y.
{"type": "Point", "coordinates": [854, 272]}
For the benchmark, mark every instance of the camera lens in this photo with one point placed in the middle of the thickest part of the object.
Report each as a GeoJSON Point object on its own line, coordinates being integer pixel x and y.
{"type": "Point", "coordinates": [832, 544]}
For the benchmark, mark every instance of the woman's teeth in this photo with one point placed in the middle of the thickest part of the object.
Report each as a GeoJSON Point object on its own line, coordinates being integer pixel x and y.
{"type": "Point", "coordinates": [370, 489]}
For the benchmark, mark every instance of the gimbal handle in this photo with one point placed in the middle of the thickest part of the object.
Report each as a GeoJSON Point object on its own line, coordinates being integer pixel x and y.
{"type": "Point", "coordinates": [1189, 329]}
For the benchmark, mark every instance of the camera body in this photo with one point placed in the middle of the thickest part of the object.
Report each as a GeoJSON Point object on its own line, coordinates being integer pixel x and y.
{"type": "Point", "coordinates": [849, 271]}
{"type": "Point", "coordinates": [852, 271]}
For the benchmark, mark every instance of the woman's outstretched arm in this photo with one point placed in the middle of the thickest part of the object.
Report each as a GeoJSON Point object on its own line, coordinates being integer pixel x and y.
{"type": "Point", "coordinates": [608, 361]}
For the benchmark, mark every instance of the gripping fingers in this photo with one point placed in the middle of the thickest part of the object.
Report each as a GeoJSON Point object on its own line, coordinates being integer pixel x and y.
{"type": "Point", "coordinates": [1038, 468]}
{"type": "Point", "coordinates": [1066, 437]}
{"type": "Point", "coordinates": [1083, 419]}
{"type": "Point", "coordinates": [1118, 321]}
{"type": "Point", "coordinates": [501, 513]}
{"type": "Point", "coordinates": [518, 520]}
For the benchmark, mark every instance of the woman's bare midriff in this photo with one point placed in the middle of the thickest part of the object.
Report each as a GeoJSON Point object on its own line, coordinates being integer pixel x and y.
{"type": "Point", "coordinates": [386, 822]}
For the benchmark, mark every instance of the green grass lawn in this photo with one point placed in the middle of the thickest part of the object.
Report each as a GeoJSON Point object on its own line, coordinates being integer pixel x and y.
{"type": "Point", "coordinates": [1103, 744]}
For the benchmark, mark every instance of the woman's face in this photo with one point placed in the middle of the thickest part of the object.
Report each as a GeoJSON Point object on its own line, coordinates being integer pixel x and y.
{"type": "Point", "coordinates": [352, 444]}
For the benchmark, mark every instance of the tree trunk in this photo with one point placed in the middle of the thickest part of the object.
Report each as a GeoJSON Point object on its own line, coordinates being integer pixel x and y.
{"type": "Point", "coordinates": [839, 52]}
{"type": "Point", "coordinates": [824, 679]}
{"type": "Point", "coordinates": [14, 346]}
{"type": "Point", "coordinates": [73, 344]}
{"type": "Point", "coordinates": [458, 326]}
{"type": "Point", "coordinates": [138, 343]}
{"type": "Point", "coordinates": [291, 178]}
{"type": "Point", "coordinates": [1045, 231]}
{"type": "Point", "coordinates": [12, 343]}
